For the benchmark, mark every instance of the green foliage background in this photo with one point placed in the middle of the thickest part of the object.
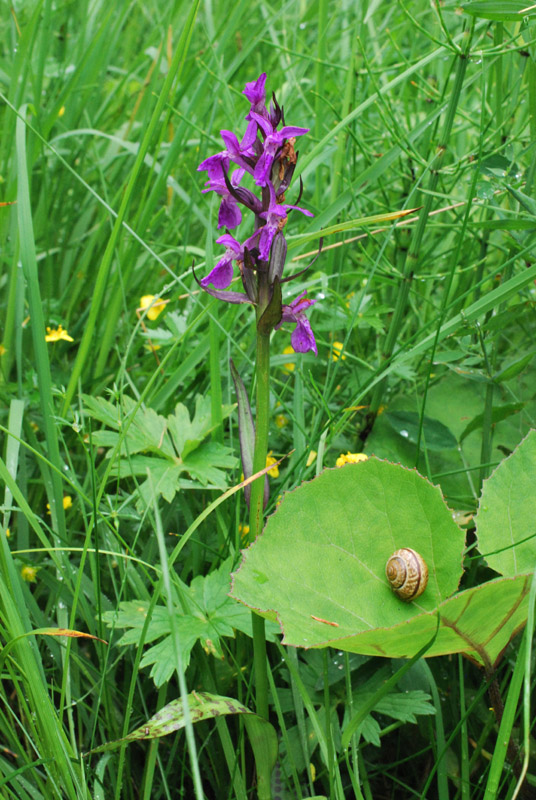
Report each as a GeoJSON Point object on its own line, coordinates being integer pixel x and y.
{"type": "Point", "coordinates": [107, 109]}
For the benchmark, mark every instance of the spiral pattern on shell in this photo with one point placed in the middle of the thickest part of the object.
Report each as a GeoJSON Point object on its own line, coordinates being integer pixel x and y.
{"type": "Point", "coordinates": [407, 573]}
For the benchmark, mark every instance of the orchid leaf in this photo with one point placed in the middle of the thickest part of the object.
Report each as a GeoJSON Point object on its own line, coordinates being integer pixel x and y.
{"type": "Point", "coordinates": [273, 311]}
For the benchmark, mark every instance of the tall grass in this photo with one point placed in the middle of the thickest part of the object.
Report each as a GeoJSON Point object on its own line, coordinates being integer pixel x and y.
{"type": "Point", "coordinates": [108, 108]}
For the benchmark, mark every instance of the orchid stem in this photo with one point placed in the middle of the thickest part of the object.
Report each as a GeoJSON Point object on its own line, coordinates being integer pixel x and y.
{"type": "Point", "coordinates": [256, 506]}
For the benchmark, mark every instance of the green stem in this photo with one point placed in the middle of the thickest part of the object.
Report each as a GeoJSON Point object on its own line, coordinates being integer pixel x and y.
{"type": "Point", "coordinates": [256, 506]}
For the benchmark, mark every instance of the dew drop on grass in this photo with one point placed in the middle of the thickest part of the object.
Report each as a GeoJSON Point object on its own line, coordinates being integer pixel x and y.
{"type": "Point", "coordinates": [404, 433]}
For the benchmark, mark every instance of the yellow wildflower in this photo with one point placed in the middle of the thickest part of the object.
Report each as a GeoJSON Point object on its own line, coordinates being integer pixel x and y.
{"type": "Point", "coordinates": [155, 306]}
{"type": "Point", "coordinates": [3, 350]}
{"type": "Point", "coordinates": [336, 351]}
{"type": "Point", "coordinates": [8, 533]}
{"type": "Point", "coordinates": [273, 473]}
{"type": "Point", "coordinates": [288, 368]}
{"type": "Point", "coordinates": [61, 112]}
{"type": "Point", "coordinates": [67, 503]}
{"type": "Point", "coordinates": [29, 574]}
{"type": "Point", "coordinates": [350, 458]}
{"type": "Point", "coordinates": [281, 420]}
{"type": "Point", "coordinates": [54, 335]}
{"type": "Point", "coordinates": [243, 530]}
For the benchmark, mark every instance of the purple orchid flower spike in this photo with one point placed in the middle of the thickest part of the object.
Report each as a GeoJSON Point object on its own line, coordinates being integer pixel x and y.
{"type": "Point", "coordinates": [273, 141]}
{"type": "Point", "coordinates": [302, 338]}
{"type": "Point", "coordinates": [271, 159]}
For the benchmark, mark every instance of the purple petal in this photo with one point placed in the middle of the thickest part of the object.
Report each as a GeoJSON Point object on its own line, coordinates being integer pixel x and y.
{"type": "Point", "coordinates": [248, 138]}
{"type": "Point", "coordinates": [229, 215]}
{"type": "Point", "coordinates": [237, 176]}
{"type": "Point", "coordinates": [261, 173]}
{"type": "Point", "coordinates": [303, 210]}
{"type": "Point", "coordinates": [255, 90]}
{"type": "Point", "coordinates": [230, 242]}
{"type": "Point", "coordinates": [221, 276]}
{"type": "Point", "coordinates": [218, 161]}
{"type": "Point", "coordinates": [290, 131]}
{"type": "Point", "coordinates": [231, 142]}
{"type": "Point", "coordinates": [263, 123]}
{"type": "Point", "coordinates": [302, 338]}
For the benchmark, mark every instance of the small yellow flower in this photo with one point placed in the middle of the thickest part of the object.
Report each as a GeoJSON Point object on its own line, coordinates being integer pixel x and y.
{"type": "Point", "coordinates": [281, 420]}
{"type": "Point", "coordinates": [67, 503]}
{"type": "Point", "coordinates": [310, 458]}
{"type": "Point", "coordinates": [29, 574]}
{"type": "Point", "coordinates": [155, 307]}
{"type": "Point", "coordinates": [54, 335]}
{"type": "Point", "coordinates": [350, 458]}
{"type": "Point", "coordinates": [61, 112]}
{"type": "Point", "coordinates": [336, 351]}
{"type": "Point", "coordinates": [288, 368]}
{"type": "Point", "coordinates": [3, 350]}
{"type": "Point", "coordinates": [243, 530]}
{"type": "Point", "coordinates": [8, 533]}
{"type": "Point", "coordinates": [273, 473]}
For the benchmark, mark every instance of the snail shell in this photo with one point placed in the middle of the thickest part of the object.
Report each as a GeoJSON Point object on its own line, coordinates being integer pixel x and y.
{"type": "Point", "coordinates": [407, 573]}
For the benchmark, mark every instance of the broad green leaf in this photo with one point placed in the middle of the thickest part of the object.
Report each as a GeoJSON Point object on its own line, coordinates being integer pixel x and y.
{"type": "Point", "coordinates": [205, 461]}
{"type": "Point", "coordinates": [144, 429]}
{"type": "Point", "coordinates": [497, 414]}
{"type": "Point", "coordinates": [324, 550]}
{"type": "Point", "coordinates": [435, 435]}
{"type": "Point", "coordinates": [146, 432]}
{"type": "Point", "coordinates": [165, 476]}
{"type": "Point", "coordinates": [506, 517]}
{"type": "Point", "coordinates": [103, 410]}
{"type": "Point", "coordinates": [319, 569]}
{"type": "Point", "coordinates": [500, 10]}
{"type": "Point", "coordinates": [132, 615]}
{"type": "Point", "coordinates": [405, 706]}
{"type": "Point", "coordinates": [188, 435]}
{"type": "Point", "coordinates": [162, 656]}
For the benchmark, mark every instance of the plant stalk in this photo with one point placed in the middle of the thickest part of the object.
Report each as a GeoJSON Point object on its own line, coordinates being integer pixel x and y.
{"type": "Point", "coordinates": [256, 506]}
